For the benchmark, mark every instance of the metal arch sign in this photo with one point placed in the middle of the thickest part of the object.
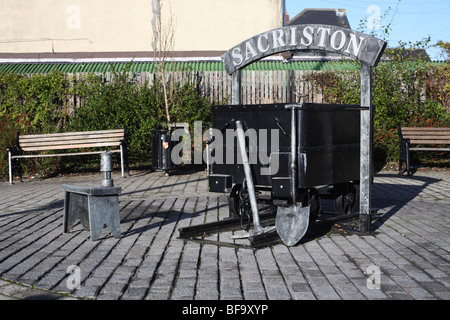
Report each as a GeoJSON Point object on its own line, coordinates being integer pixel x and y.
{"type": "Point", "coordinates": [320, 37]}
{"type": "Point", "coordinates": [305, 37]}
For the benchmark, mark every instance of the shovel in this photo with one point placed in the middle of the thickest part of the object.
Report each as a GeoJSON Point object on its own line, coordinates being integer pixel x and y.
{"type": "Point", "coordinates": [292, 221]}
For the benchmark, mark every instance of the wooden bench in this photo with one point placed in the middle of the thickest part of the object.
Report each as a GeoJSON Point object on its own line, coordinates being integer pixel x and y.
{"type": "Point", "coordinates": [426, 139]}
{"type": "Point", "coordinates": [37, 143]}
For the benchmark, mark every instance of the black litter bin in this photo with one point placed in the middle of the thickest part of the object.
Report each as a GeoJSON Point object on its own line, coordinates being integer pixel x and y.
{"type": "Point", "coordinates": [161, 150]}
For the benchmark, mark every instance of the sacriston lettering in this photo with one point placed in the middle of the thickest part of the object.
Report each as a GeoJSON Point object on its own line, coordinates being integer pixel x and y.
{"type": "Point", "coordinates": [345, 41]}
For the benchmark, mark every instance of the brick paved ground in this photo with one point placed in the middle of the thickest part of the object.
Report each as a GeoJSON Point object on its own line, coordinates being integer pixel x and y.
{"type": "Point", "coordinates": [410, 246]}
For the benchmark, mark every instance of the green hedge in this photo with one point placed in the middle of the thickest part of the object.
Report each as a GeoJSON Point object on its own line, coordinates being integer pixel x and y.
{"type": "Point", "coordinates": [406, 92]}
{"type": "Point", "coordinates": [56, 103]}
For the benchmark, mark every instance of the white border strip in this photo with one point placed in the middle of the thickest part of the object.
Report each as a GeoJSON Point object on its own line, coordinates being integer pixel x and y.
{"type": "Point", "coordinates": [105, 60]}
{"type": "Point", "coordinates": [150, 59]}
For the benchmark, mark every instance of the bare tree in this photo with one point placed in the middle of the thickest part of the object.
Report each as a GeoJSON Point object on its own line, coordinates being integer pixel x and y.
{"type": "Point", "coordinates": [163, 44]}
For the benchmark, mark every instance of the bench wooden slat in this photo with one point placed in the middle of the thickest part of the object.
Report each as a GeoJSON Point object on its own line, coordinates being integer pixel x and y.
{"type": "Point", "coordinates": [73, 146]}
{"type": "Point", "coordinates": [424, 135]}
{"type": "Point", "coordinates": [425, 129]}
{"type": "Point", "coordinates": [429, 141]}
{"type": "Point", "coordinates": [25, 139]}
{"type": "Point", "coordinates": [429, 149]}
{"type": "Point", "coordinates": [66, 141]}
{"type": "Point", "coordinates": [446, 131]}
{"type": "Point", "coordinates": [60, 154]}
{"type": "Point", "coordinates": [28, 144]}
{"type": "Point", "coordinates": [431, 136]}
{"type": "Point", "coordinates": [81, 133]}
{"type": "Point", "coordinates": [427, 137]}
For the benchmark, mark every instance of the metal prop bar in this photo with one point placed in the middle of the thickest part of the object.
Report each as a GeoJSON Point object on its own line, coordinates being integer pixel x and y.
{"type": "Point", "coordinates": [257, 229]}
{"type": "Point", "coordinates": [196, 232]}
{"type": "Point", "coordinates": [233, 224]}
{"type": "Point", "coordinates": [366, 151]}
{"type": "Point", "coordinates": [224, 225]}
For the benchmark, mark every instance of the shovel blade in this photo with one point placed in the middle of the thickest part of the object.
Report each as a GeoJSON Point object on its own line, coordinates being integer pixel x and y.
{"type": "Point", "coordinates": [291, 223]}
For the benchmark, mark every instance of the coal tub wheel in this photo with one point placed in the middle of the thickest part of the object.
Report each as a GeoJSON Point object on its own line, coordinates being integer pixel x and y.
{"type": "Point", "coordinates": [239, 204]}
{"type": "Point", "coordinates": [345, 200]}
{"type": "Point", "coordinates": [312, 199]}
{"type": "Point", "coordinates": [233, 201]}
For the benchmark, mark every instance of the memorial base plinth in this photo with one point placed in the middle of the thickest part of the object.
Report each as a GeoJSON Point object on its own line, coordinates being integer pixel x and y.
{"type": "Point", "coordinates": [94, 207]}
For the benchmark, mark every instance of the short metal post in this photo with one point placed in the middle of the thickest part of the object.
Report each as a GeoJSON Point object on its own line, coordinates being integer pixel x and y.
{"type": "Point", "coordinates": [106, 168]}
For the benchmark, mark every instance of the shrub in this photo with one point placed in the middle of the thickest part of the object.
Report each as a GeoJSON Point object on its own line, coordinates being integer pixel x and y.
{"type": "Point", "coordinates": [405, 92]}
{"type": "Point", "coordinates": [139, 108]}
{"type": "Point", "coordinates": [55, 103]}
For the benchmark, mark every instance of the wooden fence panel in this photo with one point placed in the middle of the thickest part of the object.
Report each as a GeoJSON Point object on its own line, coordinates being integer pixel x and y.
{"type": "Point", "coordinates": [258, 86]}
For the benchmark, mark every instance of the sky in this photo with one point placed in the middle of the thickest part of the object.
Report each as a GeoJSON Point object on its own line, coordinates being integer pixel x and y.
{"type": "Point", "coordinates": [410, 20]}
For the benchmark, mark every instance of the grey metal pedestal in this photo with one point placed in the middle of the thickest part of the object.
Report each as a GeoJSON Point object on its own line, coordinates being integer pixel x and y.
{"type": "Point", "coordinates": [94, 207]}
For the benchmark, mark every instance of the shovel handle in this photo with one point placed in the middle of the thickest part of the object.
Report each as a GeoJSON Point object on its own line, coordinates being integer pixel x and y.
{"type": "Point", "coordinates": [294, 156]}
{"type": "Point", "coordinates": [294, 108]}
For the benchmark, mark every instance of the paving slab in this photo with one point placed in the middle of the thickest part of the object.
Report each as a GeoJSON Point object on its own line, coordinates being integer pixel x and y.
{"type": "Point", "coordinates": [406, 256]}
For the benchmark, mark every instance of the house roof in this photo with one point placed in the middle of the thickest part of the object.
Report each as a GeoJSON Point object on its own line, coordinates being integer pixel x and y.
{"type": "Point", "coordinates": [411, 53]}
{"type": "Point", "coordinates": [334, 17]}
{"type": "Point", "coordinates": [70, 68]}
{"type": "Point", "coordinates": [31, 68]}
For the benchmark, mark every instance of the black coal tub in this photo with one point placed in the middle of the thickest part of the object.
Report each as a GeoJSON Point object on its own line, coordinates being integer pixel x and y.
{"type": "Point", "coordinates": [328, 150]}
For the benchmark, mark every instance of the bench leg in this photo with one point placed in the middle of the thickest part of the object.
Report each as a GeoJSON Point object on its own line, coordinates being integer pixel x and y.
{"type": "Point", "coordinates": [10, 168]}
{"type": "Point", "coordinates": [408, 163]}
{"type": "Point", "coordinates": [402, 156]}
{"type": "Point", "coordinates": [122, 162]}
{"type": "Point", "coordinates": [19, 169]}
